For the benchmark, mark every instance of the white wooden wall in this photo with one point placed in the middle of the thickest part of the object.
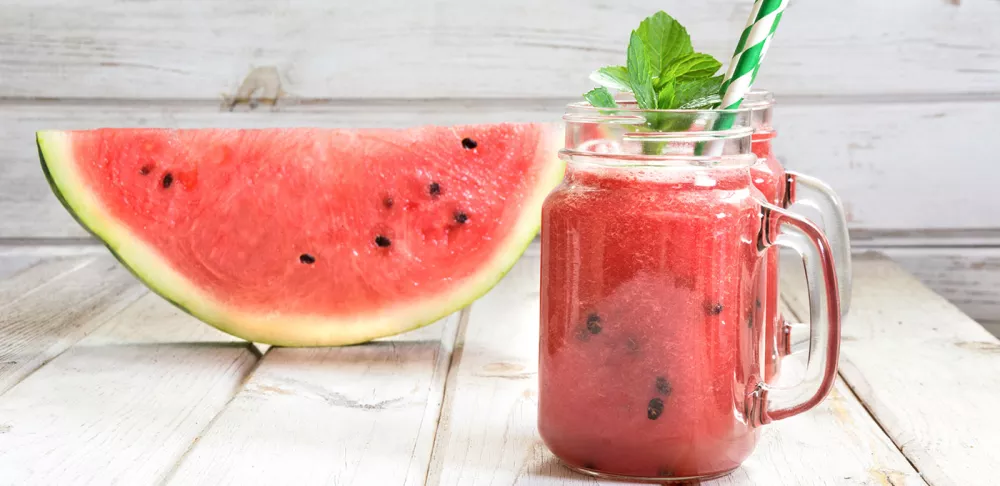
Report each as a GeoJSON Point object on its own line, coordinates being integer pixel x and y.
{"type": "Point", "coordinates": [892, 102]}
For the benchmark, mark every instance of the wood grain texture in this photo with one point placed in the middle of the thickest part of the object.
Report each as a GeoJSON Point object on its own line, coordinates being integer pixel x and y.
{"type": "Point", "coordinates": [882, 159]}
{"type": "Point", "coordinates": [929, 374]}
{"type": "Point", "coordinates": [969, 278]}
{"type": "Point", "coordinates": [12, 264]}
{"type": "Point", "coordinates": [360, 415]}
{"type": "Point", "coordinates": [195, 49]}
{"type": "Point", "coordinates": [488, 432]}
{"type": "Point", "coordinates": [837, 442]}
{"type": "Point", "coordinates": [37, 273]}
{"type": "Point", "coordinates": [47, 319]}
{"type": "Point", "coordinates": [122, 405]}
{"type": "Point", "coordinates": [867, 153]}
{"type": "Point", "coordinates": [18, 258]}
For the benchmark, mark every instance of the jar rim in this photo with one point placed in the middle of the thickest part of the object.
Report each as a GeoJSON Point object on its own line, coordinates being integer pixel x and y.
{"type": "Point", "coordinates": [639, 161]}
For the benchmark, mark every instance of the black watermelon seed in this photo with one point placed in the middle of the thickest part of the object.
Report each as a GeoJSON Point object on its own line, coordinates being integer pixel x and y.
{"type": "Point", "coordinates": [307, 259]}
{"type": "Point", "coordinates": [461, 217]}
{"type": "Point", "coordinates": [145, 170]}
{"type": "Point", "coordinates": [663, 386]}
{"type": "Point", "coordinates": [469, 143]}
{"type": "Point", "coordinates": [655, 409]}
{"type": "Point", "coordinates": [757, 303]}
{"type": "Point", "coordinates": [714, 309]}
{"type": "Point", "coordinates": [168, 179]}
{"type": "Point", "coordinates": [594, 323]}
{"type": "Point", "coordinates": [587, 465]}
{"type": "Point", "coordinates": [387, 202]}
{"type": "Point", "coordinates": [434, 189]}
{"type": "Point", "coordinates": [382, 241]}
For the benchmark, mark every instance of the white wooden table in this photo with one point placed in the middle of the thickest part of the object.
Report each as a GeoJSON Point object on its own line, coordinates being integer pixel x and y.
{"type": "Point", "coordinates": [102, 382]}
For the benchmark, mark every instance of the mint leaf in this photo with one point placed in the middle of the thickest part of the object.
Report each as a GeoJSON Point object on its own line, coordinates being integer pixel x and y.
{"type": "Point", "coordinates": [690, 94]}
{"type": "Point", "coordinates": [640, 72]}
{"type": "Point", "coordinates": [665, 38]}
{"type": "Point", "coordinates": [614, 77]}
{"type": "Point", "coordinates": [666, 98]}
{"type": "Point", "coordinates": [693, 65]}
{"type": "Point", "coordinates": [600, 98]}
{"type": "Point", "coordinates": [699, 94]}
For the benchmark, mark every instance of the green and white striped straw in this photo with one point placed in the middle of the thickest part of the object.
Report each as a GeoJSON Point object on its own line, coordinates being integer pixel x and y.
{"type": "Point", "coordinates": [747, 58]}
{"type": "Point", "coordinates": [750, 50]}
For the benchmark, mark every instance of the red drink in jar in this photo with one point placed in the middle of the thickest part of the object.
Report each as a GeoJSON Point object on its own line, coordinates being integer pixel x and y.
{"type": "Point", "coordinates": [651, 323]}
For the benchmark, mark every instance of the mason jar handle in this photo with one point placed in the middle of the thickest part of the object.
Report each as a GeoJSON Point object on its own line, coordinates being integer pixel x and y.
{"type": "Point", "coordinates": [802, 236]}
{"type": "Point", "coordinates": [821, 197]}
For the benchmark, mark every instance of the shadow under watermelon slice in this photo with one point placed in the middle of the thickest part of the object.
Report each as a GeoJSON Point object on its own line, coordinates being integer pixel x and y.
{"type": "Point", "coordinates": [310, 237]}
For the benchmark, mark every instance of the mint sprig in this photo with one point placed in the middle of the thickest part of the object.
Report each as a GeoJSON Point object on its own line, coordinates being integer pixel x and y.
{"type": "Point", "coordinates": [662, 70]}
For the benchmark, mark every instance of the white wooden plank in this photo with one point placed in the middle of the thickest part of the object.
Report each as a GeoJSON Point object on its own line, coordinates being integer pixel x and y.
{"type": "Point", "coordinates": [361, 415]}
{"type": "Point", "coordinates": [837, 442]}
{"type": "Point", "coordinates": [18, 258]}
{"type": "Point", "coordinates": [194, 49]}
{"type": "Point", "coordinates": [12, 264]}
{"type": "Point", "coordinates": [41, 249]}
{"type": "Point", "coordinates": [36, 275]}
{"type": "Point", "coordinates": [929, 374]}
{"type": "Point", "coordinates": [122, 405]}
{"type": "Point", "coordinates": [864, 454]}
{"type": "Point", "coordinates": [42, 323]}
{"type": "Point", "coordinates": [881, 157]}
{"type": "Point", "coordinates": [967, 277]}
{"type": "Point", "coordinates": [488, 425]}
{"type": "Point", "coordinates": [488, 431]}
{"type": "Point", "coordinates": [866, 152]}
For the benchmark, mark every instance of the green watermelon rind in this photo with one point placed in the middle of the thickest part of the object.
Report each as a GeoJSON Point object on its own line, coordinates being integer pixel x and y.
{"type": "Point", "coordinates": [54, 150]}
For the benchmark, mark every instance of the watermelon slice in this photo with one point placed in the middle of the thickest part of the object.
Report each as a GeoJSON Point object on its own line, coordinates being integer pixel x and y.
{"type": "Point", "coordinates": [310, 237]}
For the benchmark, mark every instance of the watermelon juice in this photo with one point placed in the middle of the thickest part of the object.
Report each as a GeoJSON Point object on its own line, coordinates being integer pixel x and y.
{"type": "Point", "coordinates": [649, 299]}
{"type": "Point", "coordinates": [650, 363]}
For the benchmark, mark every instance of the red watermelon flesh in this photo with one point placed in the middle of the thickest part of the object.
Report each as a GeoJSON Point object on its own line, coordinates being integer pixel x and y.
{"type": "Point", "coordinates": [310, 236]}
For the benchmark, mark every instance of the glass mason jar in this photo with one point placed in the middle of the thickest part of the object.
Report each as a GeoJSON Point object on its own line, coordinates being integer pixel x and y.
{"type": "Point", "coordinates": [811, 198]}
{"type": "Point", "coordinates": [650, 364]}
